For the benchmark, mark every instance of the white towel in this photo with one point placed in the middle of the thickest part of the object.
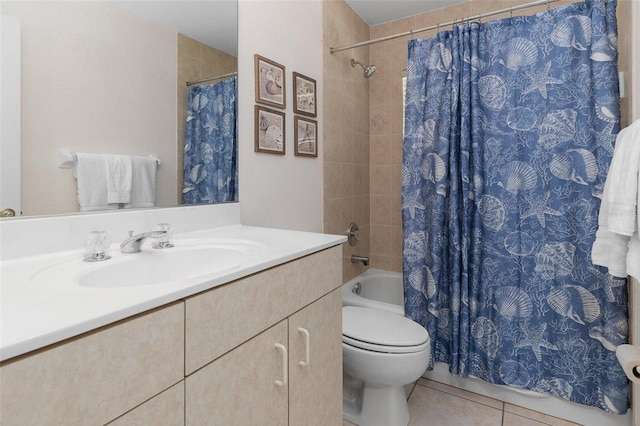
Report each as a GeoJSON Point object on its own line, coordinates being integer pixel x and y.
{"type": "Point", "coordinates": [143, 183]}
{"type": "Point", "coordinates": [609, 249]}
{"type": "Point", "coordinates": [623, 186]}
{"type": "Point", "coordinates": [617, 244]}
{"type": "Point", "coordinates": [118, 169]}
{"type": "Point", "coordinates": [91, 174]}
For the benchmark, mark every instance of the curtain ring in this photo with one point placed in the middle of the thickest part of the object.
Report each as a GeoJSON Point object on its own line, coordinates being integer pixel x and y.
{"type": "Point", "coordinates": [511, 11]}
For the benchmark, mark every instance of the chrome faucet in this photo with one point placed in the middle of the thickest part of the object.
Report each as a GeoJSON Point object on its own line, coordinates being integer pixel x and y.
{"type": "Point", "coordinates": [133, 244]}
{"type": "Point", "coordinates": [360, 259]}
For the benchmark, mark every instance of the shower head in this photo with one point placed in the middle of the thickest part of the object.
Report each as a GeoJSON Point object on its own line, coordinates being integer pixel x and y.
{"type": "Point", "coordinates": [368, 69]}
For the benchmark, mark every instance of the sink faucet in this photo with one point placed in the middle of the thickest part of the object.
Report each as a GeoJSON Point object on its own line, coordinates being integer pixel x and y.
{"type": "Point", "coordinates": [133, 244]}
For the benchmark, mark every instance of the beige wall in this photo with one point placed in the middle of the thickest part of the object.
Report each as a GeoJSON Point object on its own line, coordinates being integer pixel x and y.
{"type": "Point", "coordinates": [346, 128]}
{"type": "Point", "coordinates": [94, 79]}
{"type": "Point", "coordinates": [196, 61]}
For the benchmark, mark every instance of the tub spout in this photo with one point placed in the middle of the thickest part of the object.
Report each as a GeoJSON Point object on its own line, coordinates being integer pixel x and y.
{"type": "Point", "coordinates": [360, 259]}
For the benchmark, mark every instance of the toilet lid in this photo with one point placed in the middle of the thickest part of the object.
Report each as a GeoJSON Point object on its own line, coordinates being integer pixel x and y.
{"type": "Point", "coordinates": [375, 329]}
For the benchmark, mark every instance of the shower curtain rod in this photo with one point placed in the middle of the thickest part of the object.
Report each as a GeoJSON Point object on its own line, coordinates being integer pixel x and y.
{"type": "Point", "coordinates": [333, 50]}
{"type": "Point", "coordinates": [218, 77]}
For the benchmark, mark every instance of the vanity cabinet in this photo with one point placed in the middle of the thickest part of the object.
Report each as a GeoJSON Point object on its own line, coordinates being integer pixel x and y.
{"type": "Point", "coordinates": [279, 377]}
{"type": "Point", "coordinates": [233, 363]}
{"type": "Point", "coordinates": [211, 358]}
{"type": "Point", "coordinates": [98, 376]}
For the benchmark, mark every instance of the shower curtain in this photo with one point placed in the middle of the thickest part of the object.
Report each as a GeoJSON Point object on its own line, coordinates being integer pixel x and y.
{"type": "Point", "coordinates": [509, 132]}
{"type": "Point", "coordinates": [210, 151]}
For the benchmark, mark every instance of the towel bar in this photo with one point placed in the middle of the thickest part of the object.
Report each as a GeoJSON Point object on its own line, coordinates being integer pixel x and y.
{"type": "Point", "coordinates": [66, 158]}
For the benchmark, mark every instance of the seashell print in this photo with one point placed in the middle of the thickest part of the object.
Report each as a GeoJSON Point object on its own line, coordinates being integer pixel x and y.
{"type": "Point", "coordinates": [272, 88]}
{"type": "Point", "coordinates": [417, 281]}
{"type": "Point", "coordinates": [439, 58]}
{"type": "Point", "coordinates": [199, 102]}
{"type": "Point", "coordinates": [514, 373]}
{"type": "Point", "coordinates": [613, 399]}
{"type": "Point", "coordinates": [520, 53]}
{"type": "Point", "coordinates": [554, 260]}
{"type": "Point", "coordinates": [431, 284]}
{"type": "Point", "coordinates": [492, 212]}
{"type": "Point", "coordinates": [575, 303]}
{"type": "Point", "coordinates": [198, 174]}
{"type": "Point", "coordinates": [433, 168]}
{"type": "Point", "coordinates": [574, 31]}
{"type": "Point", "coordinates": [556, 127]}
{"type": "Point", "coordinates": [519, 244]}
{"type": "Point", "coordinates": [602, 50]}
{"type": "Point", "coordinates": [512, 302]}
{"type": "Point", "coordinates": [522, 119]}
{"type": "Point", "coordinates": [415, 246]}
{"type": "Point", "coordinates": [577, 165]}
{"type": "Point", "coordinates": [604, 112]}
{"type": "Point", "coordinates": [518, 176]}
{"type": "Point", "coordinates": [612, 334]}
{"type": "Point", "coordinates": [493, 92]}
{"type": "Point", "coordinates": [555, 386]}
{"type": "Point", "coordinates": [486, 336]}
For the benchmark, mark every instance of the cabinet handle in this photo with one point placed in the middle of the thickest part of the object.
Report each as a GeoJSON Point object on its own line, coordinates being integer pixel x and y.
{"type": "Point", "coordinates": [285, 373]}
{"type": "Point", "coordinates": [305, 333]}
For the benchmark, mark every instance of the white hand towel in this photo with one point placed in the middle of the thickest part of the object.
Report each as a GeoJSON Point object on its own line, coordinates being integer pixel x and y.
{"type": "Point", "coordinates": [118, 169]}
{"type": "Point", "coordinates": [143, 183]}
{"type": "Point", "coordinates": [91, 175]}
{"type": "Point", "coordinates": [609, 249]}
{"type": "Point", "coordinates": [623, 181]}
{"type": "Point", "coordinates": [617, 244]}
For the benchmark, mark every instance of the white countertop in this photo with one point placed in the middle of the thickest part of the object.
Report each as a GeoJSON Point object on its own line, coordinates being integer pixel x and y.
{"type": "Point", "coordinates": [35, 312]}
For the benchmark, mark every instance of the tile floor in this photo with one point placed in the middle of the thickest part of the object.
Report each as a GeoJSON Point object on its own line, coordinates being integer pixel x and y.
{"type": "Point", "coordinates": [435, 404]}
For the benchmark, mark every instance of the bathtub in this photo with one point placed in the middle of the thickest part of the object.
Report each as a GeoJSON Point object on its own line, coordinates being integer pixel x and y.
{"type": "Point", "coordinates": [383, 290]}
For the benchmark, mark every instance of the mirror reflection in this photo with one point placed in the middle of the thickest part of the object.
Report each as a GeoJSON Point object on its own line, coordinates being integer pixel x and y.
{"type": "Point", "coordinates": [110, 77]}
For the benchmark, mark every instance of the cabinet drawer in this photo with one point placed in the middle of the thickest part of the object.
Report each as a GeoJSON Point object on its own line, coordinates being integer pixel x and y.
{"type": "Point", "coordinates": [226, 316]}
{"type": "Point", "coordinates": [166, 409]}
{"type": "Point", "coordinates": [98, 376]}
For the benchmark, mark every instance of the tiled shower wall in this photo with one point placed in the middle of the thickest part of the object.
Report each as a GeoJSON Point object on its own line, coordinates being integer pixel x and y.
{"type": "Point", "coordinates": [346, 149]}
{"type": "Point", "coordinates": [196, 61]}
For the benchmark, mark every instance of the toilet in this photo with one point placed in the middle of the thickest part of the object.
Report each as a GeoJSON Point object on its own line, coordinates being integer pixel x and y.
{"type": "Point", "coordinates": [382, 352]}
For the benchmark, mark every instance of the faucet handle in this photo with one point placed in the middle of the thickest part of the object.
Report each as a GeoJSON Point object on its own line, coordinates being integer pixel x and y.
{"type": "Point", "coordinates": [163, 241]}
{"type": "Point", "coordinates": [96, 245]}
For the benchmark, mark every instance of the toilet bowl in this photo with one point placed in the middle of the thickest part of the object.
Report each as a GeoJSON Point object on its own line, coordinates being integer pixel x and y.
{"type": "Point", "coordinates": [382, 352]}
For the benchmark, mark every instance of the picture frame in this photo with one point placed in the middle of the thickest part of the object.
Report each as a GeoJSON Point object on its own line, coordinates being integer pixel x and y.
{"type": "Point", "coordinates": [270, 82]}
{"type": "Point", "coordinates": [269, 130]}
{"type": "Point", "coordinates": [306, 137]}
{"type": "Point", "coordinates": [305, 100]}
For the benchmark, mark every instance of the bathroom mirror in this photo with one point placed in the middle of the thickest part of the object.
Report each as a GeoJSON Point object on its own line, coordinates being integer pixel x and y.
{"type": "Point", "coordinates": [109, 77]}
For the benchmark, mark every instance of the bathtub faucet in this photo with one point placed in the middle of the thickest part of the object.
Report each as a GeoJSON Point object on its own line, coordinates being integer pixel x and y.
{"type": "Point", "coordinates": [360, 259]}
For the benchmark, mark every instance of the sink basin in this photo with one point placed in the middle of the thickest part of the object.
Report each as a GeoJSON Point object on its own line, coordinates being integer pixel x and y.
{"type": "Point", "coordinates": [151, 266]}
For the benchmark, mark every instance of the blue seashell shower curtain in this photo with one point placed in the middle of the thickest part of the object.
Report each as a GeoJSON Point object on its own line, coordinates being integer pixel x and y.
{"type": "Point", "coordinates": [509, 132]}
{"type": "Point", "coordinates": [210, 151]}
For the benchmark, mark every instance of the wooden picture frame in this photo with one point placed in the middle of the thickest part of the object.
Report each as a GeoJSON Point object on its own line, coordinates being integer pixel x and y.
{"type": "Point", "coordinates": [269, 130]}
{"type": "Point", "coordinates": [306, 137]}
{"type": "Point", "coordinates": [270, 82]}
{"type": "Point", "coordinates": [304, 92]}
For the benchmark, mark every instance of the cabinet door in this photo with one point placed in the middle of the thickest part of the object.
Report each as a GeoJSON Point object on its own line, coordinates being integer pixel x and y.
{"type": "Point", "coordinates": [239, 387]}
{"type": "Point", "coordinates": [315, 389]}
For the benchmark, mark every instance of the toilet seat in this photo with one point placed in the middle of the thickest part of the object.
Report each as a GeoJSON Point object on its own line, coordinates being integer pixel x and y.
{"type": "Point", "coordinates": [382, 331]}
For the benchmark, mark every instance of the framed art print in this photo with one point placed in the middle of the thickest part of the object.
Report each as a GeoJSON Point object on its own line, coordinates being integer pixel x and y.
{"type": "Point", "coordinates": [269, 130]}
{"type": "Point", "coordinates": [304, 89]}
{"type": "Point", "coordinates": [270, 82]}
{"type": "Point", "coordinates": [306, 137]}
